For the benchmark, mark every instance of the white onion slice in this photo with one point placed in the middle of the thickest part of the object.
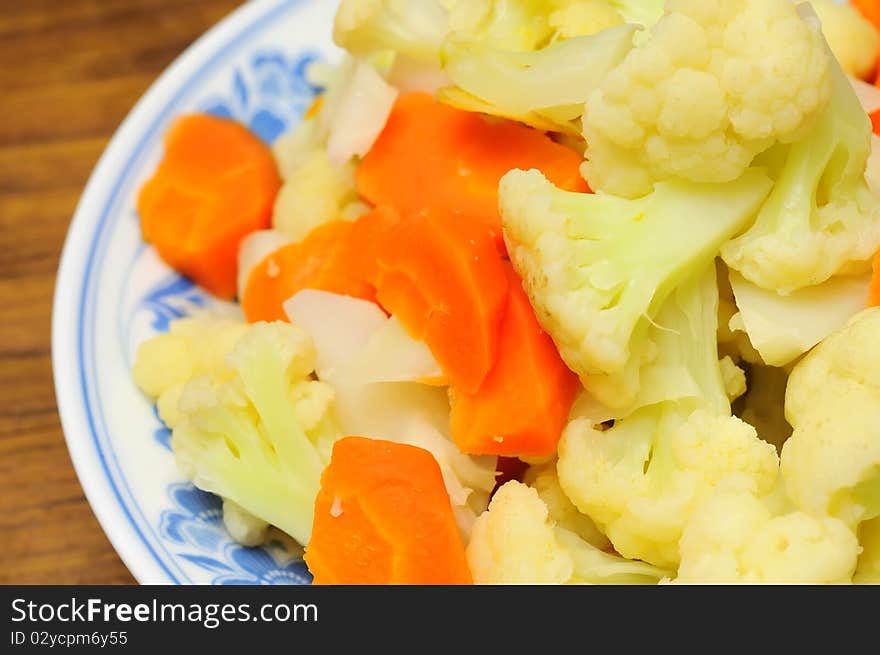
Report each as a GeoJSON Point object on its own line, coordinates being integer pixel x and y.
{"type": "Point", "coordinates": [360, 114]}
{"type": "Point", "coordinates": [782, 328]}
{"type": "Point", "coordinates": [340, 326]}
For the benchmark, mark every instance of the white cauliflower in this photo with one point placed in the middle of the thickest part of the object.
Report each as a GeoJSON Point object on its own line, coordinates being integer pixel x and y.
{"type": "Point", "coordinates": [597, 268]}
{"type": "Point", "coordinates": [413, 28]}
{"type": "Point", "coordinates": [831, 462]}
{"type": "Point", "coordinates": [244, 527]}
{"type": "Point", "coordinates": [821, 219]}
{"type": "Point", "coordinates": [733, 536]}
{"type": "Point", "coordinates": [641, 479]}
{"type": "Point", "coordinates": [715, 84]}
{"type": "Point", "coordinates": [583, 18]}
{"type": "Point", "coordinates": [544, 479]}
{"type": "Point", "coordinates": [314, 192]}
{"type": "Point", "coordinates": [249, 422]}
{"type": "Point", "coordinates": [192, 348]}
{"type": "Point", "coordinates": [316, 189]}
{"type": "Point", "coordinates": [545, 88]}
{"type": "Point", "coordinates": [317, 159]}
{"type": "Point", "coordinates": [516, 542]}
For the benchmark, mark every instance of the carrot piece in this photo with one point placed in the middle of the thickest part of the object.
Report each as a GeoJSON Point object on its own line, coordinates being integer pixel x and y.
{"type": "Point", "coordinates": [383, 516]}
{"type": "Point", "coordinates": [445, 282]}
{"type": "Point", "coordinates": [324, 260]}
{"type": "Point", "coordinates": [432, 155]}
{"type": "Point", "coordinates": [523, 404]}
{"type": "Point", "coordinates": [216, 184]}
{"type": "Point", "coordinates": [367, 235]}
{"type": "Point", "coordinates": [874, 289]}
{"type": "Point", "coordinates": [870, 9]}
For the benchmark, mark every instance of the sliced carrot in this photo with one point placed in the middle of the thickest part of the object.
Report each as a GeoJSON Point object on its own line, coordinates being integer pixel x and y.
{"type": "Point", "coordinates": [523, 404]}
{"type": "Point", "coordinates": [870, 9]}
{"type": "Point", "coordinates": [433, 155]}
{"type": "Point", "coordinates": [874, 289]}
{"type": "Point", "coordinates": [326, 259]}
{"type": "Point", "coordinates": [446, 283]}
{"type": "Point", "coordinates": [367, 235]}
{"type": "Point", "coordinates": [383, 516]}
{"type": "Point", "coordinates": [216, 184]}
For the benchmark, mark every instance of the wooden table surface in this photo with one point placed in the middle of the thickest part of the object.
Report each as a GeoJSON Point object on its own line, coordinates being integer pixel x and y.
{"type": "Point", "coordinates": [70, 70]}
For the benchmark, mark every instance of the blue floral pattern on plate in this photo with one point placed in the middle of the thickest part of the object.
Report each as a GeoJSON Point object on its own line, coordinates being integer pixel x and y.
{"type": "Point", "coordinates": [195, 525]}
{"type": "Point", "coordinates": [264, 96]}
{"type": "Point", "coordinates": [267, 95]}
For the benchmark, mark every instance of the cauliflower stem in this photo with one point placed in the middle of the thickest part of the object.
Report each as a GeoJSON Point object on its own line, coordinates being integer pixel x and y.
{"type": "Point", "coordinates": [597, 267]}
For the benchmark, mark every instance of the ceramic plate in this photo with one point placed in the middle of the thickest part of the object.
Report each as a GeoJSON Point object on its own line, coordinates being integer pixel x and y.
{"type": "Point", "coordinates": [113, 292]}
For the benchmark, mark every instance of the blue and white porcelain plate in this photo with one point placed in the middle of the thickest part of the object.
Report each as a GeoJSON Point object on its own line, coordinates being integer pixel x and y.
{"type": "Point", "coordinates": [113, 292]}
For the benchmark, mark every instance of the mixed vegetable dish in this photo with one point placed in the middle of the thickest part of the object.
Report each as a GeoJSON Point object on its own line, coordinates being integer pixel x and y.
{"type": "Point", "coordinates": [542, 291]}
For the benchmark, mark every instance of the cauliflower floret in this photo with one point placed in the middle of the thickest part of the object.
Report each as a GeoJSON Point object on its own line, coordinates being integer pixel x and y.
{"type": "Point", "coordinates": [414, 28]}
{"type": "Point", "coordinates": [821, 218]}
{"type": "Point", "coordinates": [831, 462]}
{"type": "Point", "coordinates": [314, 193]}
{"type": "Point", "coordinates": [597, 268]}
{"type": "Point", "coordinates": [714, 85]}
{"type": "Point", "coordinates": [545, 88]}
{"type": "Point", "coordinates": [249, 424]}
{"type": "Point", "coordinates": [193, 347]}
{"type": "Point", "coordinates": [583, 18]}
{"type": "Point", "coordinates": [852, 38]}
{"type": "Point", "coordinates": [544, 479]}
{"type": "Point", "coordinates": [516, 542]}
{"type": "Point", "coordinates": [314, 159]}
{"type": "Point", "coordinates": [244, 527]}
{"type": "Point", "coordinates": [640, 479]}
{"type": "Point", "coordinates": [317, 159]}
{"type": "Point", "coordinates": [734, 537]}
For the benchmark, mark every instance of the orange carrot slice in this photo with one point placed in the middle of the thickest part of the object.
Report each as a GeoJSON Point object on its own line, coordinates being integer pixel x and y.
{"type": "Point", "coordinates": [383, 516]}
{"type": "Point", "coordinates": [523, 404]}
{"type": "Point", "coordinates": [433, 155]}
{"type": "Point", "coordinates": [366, 238]}
{"type": "Point", "coordinates": [216, 184]}
{"type": "Point", "coordinates": [326, 260]}
{"type": "Point", "coordinates": [870, 9]}
{"type": "Point", "coordinates": [445, 282]}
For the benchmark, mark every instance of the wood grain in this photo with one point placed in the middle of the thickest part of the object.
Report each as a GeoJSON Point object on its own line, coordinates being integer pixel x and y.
{"type": "Point", "coordinates": [70, 70]}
